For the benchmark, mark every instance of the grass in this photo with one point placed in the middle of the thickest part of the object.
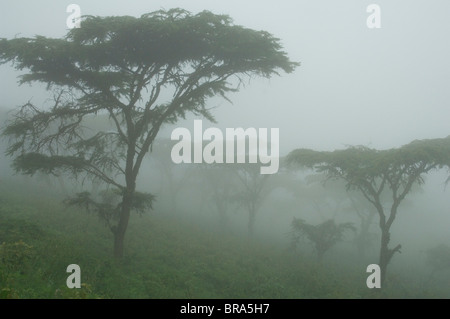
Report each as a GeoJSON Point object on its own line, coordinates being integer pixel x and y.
{"type": "Point", "coordinates": [165, 258]}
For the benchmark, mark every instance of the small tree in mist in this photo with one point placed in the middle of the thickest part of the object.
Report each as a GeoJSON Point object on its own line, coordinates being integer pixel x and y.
{"type": "Point", "coordinates": [175, 177]}
{"type": "Point", "coordinates": [330, 199]}
{"type": "Point", "coordinates": [140, 73]}
{"type": "Point", "coordinates": [344, 201]}
{"type": "Point", "coordinates": [324, 235]}
{"type": "Point", "coordinates": [366, 215]}
{"type": "Point", "coordinates": [374, 172]}
{"type": "Point", "coordinates": [253, 190]}
{"type": "Point", "coordinates": [221, 188]}
{"type": "Point", "coordinates": [238, 185]}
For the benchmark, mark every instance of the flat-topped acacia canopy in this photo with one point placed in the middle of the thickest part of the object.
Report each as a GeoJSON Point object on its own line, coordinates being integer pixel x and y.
{"type": "Point", "coordinates": [355, 164]}
{"type": "Point", "coordinates": [373, 172]}
{"type": "Point", "coordinates": [120, 67]}
{"type": "Point", "coordinates": [106, 50]}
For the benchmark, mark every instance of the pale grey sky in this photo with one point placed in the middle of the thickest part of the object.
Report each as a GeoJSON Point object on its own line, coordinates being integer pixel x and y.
{"type": "Point", "coordinates": [376, 87]}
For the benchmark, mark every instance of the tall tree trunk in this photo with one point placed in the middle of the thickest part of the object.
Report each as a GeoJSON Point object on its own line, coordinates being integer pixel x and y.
{"type": "Point", "coordinates": [128, 192]}
{"type": "Point", "coordinates": [119, 234]}
{"type": "Point", "coordinates": [224, 222]}
{"type": "Point", "coordinates": [320, 253]}
{"type": "Point", "coordinates": [386, 253]}
{"type": "Point", "coordinates": [251, 222]}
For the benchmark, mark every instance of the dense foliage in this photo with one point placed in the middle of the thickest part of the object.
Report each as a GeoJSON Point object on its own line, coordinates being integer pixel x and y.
{"type": "Point", "coordinates": [139, 72]}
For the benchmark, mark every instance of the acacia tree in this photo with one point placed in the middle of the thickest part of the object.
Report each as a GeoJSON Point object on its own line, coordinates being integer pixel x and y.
{"type": "Point", "coordinates": [374, 172]}
{"type": "Point", "coordinates": [324, 235]}
{"type": "Point", "coordinates": [222, 189]}
{"type": "Point", "coordinates": [335, 199]}
{"type": "Point", "coordinates": [330, 199]}
{"type": "Point", "coordinates": [141, 73]}
{"type": "Point", "coordinates": [175, 177]}
{"type": "Point", "coordinates": [254, 189]}
{"type": "Point", "coordinates": [366, 215]}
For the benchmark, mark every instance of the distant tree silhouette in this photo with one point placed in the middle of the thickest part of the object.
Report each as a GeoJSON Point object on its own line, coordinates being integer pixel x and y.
{"type": "Point", "coordinates": [324, 235]}
{"type": "Point", "coordinates": [376, 172]}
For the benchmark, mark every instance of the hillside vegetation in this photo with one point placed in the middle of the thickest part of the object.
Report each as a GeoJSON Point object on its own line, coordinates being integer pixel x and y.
{"type": "Point", "coordinates": [166, 258]}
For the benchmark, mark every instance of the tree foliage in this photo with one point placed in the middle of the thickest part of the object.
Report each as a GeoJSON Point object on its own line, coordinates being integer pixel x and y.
{"type": "Point", "coordinates": [140, 73]}
{"type": "Point", "coordinates": [109, 205]}
{"type": "Point", "coordinates": [370, 170]}
{"type": "Point", "coordinates": [254, 189]}
{"type": "Point", "coordinates": [374, 172]}
{"type": "Point", "coordinates": [324, 235]}
{"type": "Point", "coordinates": [108, 64]}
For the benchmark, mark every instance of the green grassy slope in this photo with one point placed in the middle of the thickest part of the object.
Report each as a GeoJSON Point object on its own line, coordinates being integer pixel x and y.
{"type": "Point", "coordinates": [165, 258]}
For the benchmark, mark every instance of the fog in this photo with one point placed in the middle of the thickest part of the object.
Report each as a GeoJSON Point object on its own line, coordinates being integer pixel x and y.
{"type": "Point", "coordinates": [380, 88]}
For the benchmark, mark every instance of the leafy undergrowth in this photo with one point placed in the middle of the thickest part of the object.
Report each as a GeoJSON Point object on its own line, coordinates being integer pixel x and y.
{"type": "Point", "coordinates": [165, 258]}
